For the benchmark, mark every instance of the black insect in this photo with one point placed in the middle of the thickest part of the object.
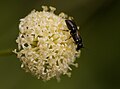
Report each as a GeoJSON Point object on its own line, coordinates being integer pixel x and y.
{"type": "Point", "coordinates": [75, 34]}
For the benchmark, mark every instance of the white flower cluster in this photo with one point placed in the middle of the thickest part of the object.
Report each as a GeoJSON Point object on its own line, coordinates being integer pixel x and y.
{"type": "Point", "coordinates": [44, 47]}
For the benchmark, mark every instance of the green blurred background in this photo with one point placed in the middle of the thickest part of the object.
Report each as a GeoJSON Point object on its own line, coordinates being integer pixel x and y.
{"type": "Point", "coordinates": [99, 64]}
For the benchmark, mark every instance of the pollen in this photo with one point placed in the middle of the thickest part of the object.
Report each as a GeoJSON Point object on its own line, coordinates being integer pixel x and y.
{"type": "Point", "coordinates": [45, 48]}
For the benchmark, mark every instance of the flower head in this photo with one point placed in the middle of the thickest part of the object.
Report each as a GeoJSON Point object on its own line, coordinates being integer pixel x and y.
{"type": "Point", "coordinates": [44, 46]}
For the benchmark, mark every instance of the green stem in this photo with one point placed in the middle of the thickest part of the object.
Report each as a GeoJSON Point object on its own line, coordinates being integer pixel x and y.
{"type": "Point", "coordinates": [6, 52]}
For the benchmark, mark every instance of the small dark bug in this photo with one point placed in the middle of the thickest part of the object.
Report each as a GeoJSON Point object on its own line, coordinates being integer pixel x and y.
{"type": "Point", "coordinates": [74, 33]}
